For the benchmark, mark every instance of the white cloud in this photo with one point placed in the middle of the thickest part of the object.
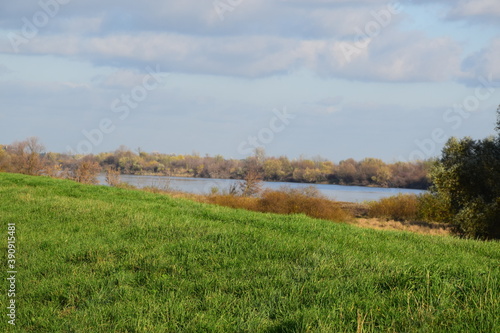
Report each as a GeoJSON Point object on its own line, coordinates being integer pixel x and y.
{"type": "Point", "coordinates": [313, 19]}
{"type": "Point", "coordinates": [485, 63]}
{"type": "Point", "coordinates": [484, 12]}
{"type": "Point", "coordinates": [390, 57]}
{"type": "Point", "coordinates": [394, 57]}
{"type": "Point", "coordinates": [475, 9]}
{"type": "Point", "coordinates": [258, 38]}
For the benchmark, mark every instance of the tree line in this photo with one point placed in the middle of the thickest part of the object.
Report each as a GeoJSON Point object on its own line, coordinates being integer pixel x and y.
{"type": "Point", "coordinates": [30, 157]}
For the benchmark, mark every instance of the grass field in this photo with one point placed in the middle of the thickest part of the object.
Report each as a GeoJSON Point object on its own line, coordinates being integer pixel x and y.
{"type": "Point", "coordinates": [101, 259]}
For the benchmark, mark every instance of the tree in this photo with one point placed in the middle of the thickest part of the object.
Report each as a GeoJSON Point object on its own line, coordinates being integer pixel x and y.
{"type": "Point", "coordinates": [273, 169]}
{"type": "Point", "coordinates": [27, 156]}
{"type": "Point", "coordinates": [252, 181]}
{"type": "Point", "coordinates": [86, 170]}
{"type": "Point", "coordinates": [498, 119]}
{"type": "Point", "coordinates": [347, 171]}
{"type": "Point", "coordinates": [467, 177]}
{"type": "Point", "coordinates": [312, 175]}
{"type": "Point", "coordinates": [374, 170]}
{"type": "Point", "coordinates": [4, 159]}
{"type": "Point", "coordinates": [112, 176]}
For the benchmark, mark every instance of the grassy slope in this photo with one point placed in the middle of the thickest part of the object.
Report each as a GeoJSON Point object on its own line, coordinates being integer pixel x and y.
{"type": "Point", "coordinates": [99, 259]}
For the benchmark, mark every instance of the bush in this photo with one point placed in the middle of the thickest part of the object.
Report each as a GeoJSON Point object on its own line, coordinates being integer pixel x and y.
{"type": "Point", "coordinates": [306, 201]}
{"type": "Point", "coordinates": [479, 219]}
{"type": "Point", "coordinates": [112, 176]}
{"type": "Point", "coordinates": [433, 207]}
{"type": "Point", "coordinates": [402, 207]}
{"type": "Point", "coordinates": [86, 171]}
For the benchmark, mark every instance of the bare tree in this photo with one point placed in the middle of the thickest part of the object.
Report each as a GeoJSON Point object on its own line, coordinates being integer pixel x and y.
{"type": "Point", "coordinates": [27, 156]}
{"type": "Point", "coordinates": [112, 176]}
{"type": "Point", "coordinates": [252, 182]}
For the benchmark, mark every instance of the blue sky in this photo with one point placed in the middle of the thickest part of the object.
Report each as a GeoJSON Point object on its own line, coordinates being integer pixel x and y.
{"type": "Point", "coordinates": [363, 78]}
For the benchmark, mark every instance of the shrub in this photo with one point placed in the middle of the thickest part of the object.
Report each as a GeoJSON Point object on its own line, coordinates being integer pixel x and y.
{"type": "Point", "coordinates": [479, 219]}
{"type": "Point", "coordinates": [306, 201]}
{"type": "Point", "coordinates": [112, 176]}
{"type": "Point", "coordinates": [402, 207]}
{"type": "Point", "coordinates": [86, 171]}
{"type": "Point", "coordinates": [233, 201]}
{"type": "Point", "coordinates": [433, 207]}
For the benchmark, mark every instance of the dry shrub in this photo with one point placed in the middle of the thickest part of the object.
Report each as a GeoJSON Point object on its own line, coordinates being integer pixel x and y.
{"type": "Point", "coordinates": [112, 176]}
{"type": "Point", "coordinates": [54, 170]}
{"type": "Point", "coordinates": [86, 171]}
{"type": "Point", "coordinates": [306, 201]}
{"type": "Point", "coordinates": [402, 207]}
{"type": "Point", "coordinates": [233, 201]}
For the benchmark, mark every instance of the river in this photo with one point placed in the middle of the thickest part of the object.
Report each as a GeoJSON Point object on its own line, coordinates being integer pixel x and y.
{"type": "Point", "coordinates": [204, 185]}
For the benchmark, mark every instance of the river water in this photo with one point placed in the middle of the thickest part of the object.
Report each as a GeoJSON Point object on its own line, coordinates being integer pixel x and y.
{"type": "Point", "coordinates": [204, 186]}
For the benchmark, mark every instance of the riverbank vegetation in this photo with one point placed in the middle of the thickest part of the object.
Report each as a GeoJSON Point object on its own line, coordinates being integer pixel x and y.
{"type": "Point", "coordinates": [404, 215]}
{"type": "Point", "coordinates": [30, 157]}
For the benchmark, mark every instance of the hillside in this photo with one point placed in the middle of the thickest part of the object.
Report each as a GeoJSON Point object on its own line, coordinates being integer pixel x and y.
{"type": "Point", "coordinates": [101, 259]}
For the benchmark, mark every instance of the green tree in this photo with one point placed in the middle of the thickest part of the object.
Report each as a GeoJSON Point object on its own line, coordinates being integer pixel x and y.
{"type": "Point", "coordinates": [4, 159]}
{"type": "Point", "coordinates": [467, 177]}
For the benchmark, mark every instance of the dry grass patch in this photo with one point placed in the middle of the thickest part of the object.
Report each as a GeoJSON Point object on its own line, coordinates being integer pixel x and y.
{"type": "Point", "coordinates": [426, 228]}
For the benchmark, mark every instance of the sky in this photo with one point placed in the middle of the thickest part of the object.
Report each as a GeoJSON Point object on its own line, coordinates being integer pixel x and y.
{"type": "Point", "coordinates": [302, 78]}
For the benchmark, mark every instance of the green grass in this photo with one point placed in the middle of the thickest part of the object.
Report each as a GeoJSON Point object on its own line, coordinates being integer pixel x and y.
{"type": "Point", "coordinates": [100, 259]}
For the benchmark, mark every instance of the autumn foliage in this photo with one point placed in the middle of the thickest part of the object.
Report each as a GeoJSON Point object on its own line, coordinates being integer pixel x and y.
{"type": "Point", "coordinates": [30, 157]}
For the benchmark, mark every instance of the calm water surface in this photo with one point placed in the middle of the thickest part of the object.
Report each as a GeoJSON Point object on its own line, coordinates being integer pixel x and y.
{"type": "Point", "coordinates": [204, 185]}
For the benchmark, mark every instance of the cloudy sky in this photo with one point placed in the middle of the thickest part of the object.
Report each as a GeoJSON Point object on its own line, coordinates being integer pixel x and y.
{"type": "Point", "coordinates": [335, 78]}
